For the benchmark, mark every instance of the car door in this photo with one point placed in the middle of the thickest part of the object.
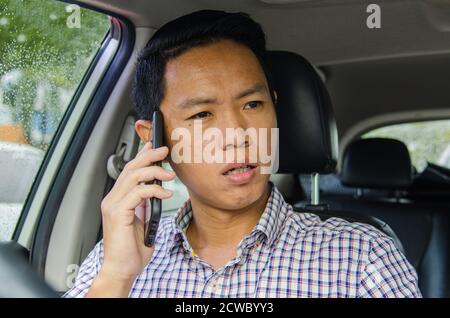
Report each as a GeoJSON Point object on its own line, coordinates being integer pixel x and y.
{"type": "Point", "coordinates": [59, 62]}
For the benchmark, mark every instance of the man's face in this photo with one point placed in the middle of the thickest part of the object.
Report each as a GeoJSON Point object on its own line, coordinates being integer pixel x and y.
{"type": "Point", "coordinates": [220, 85]}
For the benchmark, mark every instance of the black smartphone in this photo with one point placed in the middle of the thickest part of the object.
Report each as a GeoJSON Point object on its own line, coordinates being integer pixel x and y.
{"type": "Point", "coordinates": [152, 220]}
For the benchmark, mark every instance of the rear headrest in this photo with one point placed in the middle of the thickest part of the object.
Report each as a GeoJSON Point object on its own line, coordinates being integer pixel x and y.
{"type": "Point", "coordinates": [376, 163]}
{"type": "Point", "coordinates": [307, 127]}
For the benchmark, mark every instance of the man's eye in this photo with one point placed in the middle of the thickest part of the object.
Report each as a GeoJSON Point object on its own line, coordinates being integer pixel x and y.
{"type": "Point", "coordinates": [200, 115]}
{"type": "Point", "coordinates": [253, 104]}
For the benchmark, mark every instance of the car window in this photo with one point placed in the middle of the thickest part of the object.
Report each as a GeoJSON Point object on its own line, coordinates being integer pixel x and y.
{"type": "Point", "coordinates": [46, 48]}
{"type": "Point", "coordinates": [426, 141]}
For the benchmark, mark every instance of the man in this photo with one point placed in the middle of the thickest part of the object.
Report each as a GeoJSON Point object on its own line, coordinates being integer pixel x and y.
{"type": "Point", "coordinates": [236, 236]}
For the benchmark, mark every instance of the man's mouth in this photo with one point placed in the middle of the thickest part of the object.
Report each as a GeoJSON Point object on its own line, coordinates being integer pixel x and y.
{"type": "Point", "coordinates": [240, 168]}
{"type": "Point", "coordinates": [239, 173]}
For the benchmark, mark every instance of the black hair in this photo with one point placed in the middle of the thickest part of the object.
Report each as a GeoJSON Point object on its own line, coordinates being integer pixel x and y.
{"type": "Point", "coordinates": [198, 28]}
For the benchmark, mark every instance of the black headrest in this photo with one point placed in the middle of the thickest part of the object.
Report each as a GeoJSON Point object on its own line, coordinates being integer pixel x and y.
{"type": "Point", "coordinates": [376, 163]}
{"type": "Point", "coordinates": [307, 127]}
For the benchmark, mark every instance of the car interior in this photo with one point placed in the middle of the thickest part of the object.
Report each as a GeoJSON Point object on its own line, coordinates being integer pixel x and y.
{"type": "Point", "coordinates": [335, 79]}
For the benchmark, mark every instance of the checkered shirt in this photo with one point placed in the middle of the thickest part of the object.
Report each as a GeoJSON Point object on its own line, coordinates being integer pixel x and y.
{"type": "Point", "coordinates": [287, 254]}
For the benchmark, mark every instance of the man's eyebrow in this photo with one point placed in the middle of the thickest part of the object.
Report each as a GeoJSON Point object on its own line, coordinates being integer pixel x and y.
{"type": "Point", "coordinates": [255, 88]}
{"type": "Point", "coordinates": [196, 101]}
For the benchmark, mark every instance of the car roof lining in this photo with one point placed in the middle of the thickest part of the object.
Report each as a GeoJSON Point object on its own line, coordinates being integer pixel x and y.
{"type": "Point", "coordinates": [324, 31]}
{"type": "Point", "coordinates": [412, 44]}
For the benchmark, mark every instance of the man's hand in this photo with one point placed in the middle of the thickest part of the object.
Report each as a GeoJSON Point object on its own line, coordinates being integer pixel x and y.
{"type": "Point", "coordinates": [125, 254]}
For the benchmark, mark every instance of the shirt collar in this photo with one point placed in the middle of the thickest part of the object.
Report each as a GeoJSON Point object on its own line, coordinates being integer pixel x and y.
{"type": "Point", "coordinates": [269, 224]}
{"type": "Point", "coordinates": [273, 216]}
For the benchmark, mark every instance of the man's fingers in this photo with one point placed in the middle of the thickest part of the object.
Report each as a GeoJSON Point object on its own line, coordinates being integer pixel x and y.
{"type": "Point", "coordinates": [133, 177]}
{"type": "Point", "coordinates": [139, 170]}
{"type": "Point", "coordinates": [146, 157]}
{"type": "Point", "coordinates": [141, 192]}
{"type": "Point", "coordinates": [151, 173]}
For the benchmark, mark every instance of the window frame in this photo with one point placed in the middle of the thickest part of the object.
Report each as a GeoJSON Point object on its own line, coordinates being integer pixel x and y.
{"type": "Point", "coordinates": [388, 119]}
{"type": "Point", "coordinates": [416, 121]}
{"type": "Point", "coordinates": [56, 138]}
{"type": "Point", "coordinates": [123, 31]}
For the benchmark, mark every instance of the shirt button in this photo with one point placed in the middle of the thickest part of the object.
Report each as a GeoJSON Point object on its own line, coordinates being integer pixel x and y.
{"type": "Point", "coordinates": [213, 285]}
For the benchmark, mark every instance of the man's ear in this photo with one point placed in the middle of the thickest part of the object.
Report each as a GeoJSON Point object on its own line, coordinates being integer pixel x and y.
{"type": "Point", "coordinates": [143, 129]}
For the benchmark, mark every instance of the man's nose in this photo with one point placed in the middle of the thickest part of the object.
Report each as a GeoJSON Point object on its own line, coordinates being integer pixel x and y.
{"type": "Point", "coordinates": [234, 129]}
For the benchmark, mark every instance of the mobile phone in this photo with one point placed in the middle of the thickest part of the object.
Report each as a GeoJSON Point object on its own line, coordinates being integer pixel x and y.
{"type": "Point", "coordinates": [151, 223]}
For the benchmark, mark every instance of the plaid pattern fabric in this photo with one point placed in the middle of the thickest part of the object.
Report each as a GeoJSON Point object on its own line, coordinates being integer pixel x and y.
{"type": "Point", "coordinates": [288, 254]}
